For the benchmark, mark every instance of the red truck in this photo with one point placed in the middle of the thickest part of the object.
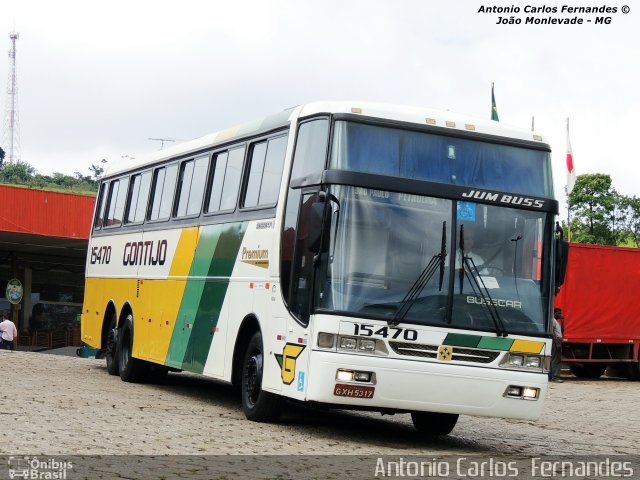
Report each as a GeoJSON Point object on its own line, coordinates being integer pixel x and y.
{"type": "Point", "coordinates": [600, 302]}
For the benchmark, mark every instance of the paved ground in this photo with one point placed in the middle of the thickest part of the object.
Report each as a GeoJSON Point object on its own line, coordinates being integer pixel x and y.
{"type": "Point", "coordinates": [71, 406]}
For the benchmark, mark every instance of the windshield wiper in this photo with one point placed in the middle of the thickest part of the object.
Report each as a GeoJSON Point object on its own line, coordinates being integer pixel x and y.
{"type": "Point", "coordinates": [422, 280]}
{"type": "Point", "coordinates": [468, 269]}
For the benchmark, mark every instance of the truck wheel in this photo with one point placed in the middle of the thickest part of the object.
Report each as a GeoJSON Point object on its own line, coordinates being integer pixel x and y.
{"type": "Point", "coordinates": [258, 405]}
{"type": "Point", "coordinates": [131, 369]}
{"type": "Point", "coordinates": [588, 370]}
{"type": "Point", "coordinates": [620, 370]}
{"type": "Point", "coordinates": [111, 351]}
{"type": "Point", "coordinates": [634, 370]}
{"type": "Point", "coordinates": [434, 423]}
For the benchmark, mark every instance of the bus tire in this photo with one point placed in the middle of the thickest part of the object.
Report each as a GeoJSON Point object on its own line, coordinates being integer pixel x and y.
{"type": "Point", "coordinates": [131, 369]}
{"type": "Point", "coordinates": [111, 349]}
{"type": "Point", "coordinates": [431, 423]}
{"type": "Point", "coordinates": [588, 370]}
{"type": "Point", "coordinates": [258, 405]}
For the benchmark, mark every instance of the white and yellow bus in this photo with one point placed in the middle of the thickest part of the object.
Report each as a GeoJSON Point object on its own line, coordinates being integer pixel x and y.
{"type": "Point", "coordinates": [355, 255]}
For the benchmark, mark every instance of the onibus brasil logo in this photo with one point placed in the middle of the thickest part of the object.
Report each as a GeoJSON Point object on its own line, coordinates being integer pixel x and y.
{"type": "Point", "coordinates": [38, 468]}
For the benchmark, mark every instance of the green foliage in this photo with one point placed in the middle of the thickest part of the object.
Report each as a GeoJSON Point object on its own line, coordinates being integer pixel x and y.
{"type": "Point", "coordinates": [600, 215]}
{"type": "Point", "coordinates": [19, 173]}
{"type": "Point", "coordinates": [24, 174]}
{"type": "Point", "coordinates": [630, 207]}
{"type": "Point", "coordinates": [96, 171]}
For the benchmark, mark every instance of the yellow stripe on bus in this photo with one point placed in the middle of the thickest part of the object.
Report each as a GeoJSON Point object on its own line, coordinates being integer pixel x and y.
{"type": "Point", "coordinates": [163, 298]}
{"type": "Point", "coordinates": [527, 346]}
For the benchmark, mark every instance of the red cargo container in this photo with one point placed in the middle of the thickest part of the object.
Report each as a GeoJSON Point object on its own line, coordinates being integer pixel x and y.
{"type": "Point", "coordinates": [600, 300]}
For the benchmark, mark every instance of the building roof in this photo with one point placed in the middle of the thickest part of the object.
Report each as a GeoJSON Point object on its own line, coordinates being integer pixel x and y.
{"type": "Point", "coordinates": [39, 212]}
{"type": "Point", "coordinates": [44, 230]}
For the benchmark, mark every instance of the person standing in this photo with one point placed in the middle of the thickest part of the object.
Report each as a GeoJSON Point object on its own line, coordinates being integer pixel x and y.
{"type": "Point", "coordinates": [556, 356]}
{"type": "Point", "coordinates": [8, 332]}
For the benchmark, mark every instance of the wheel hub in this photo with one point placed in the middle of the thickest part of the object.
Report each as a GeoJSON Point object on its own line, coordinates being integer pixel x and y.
{"type": "Point", "coordinates": [253, 378]}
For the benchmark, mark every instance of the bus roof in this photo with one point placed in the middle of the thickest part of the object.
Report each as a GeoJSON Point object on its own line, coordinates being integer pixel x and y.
{"type": "Point", "coordinates": [418, 115]}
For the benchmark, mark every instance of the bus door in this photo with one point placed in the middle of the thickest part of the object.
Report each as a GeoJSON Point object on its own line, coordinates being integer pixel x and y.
{"type": "Point", "coordinates": [294, 357]}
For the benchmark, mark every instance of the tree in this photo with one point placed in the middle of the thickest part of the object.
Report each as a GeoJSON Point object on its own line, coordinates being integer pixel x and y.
{"type": "Point", "coordinates": [631, 219]}
{"type": "Point", "coordinates": [97, 170]}
{"type": "Point", "coordinates": [596, 210]}
{"type": "Point", "coordinates": [20, 173]}
{"type": "Point", "coordinates": [2, 154]}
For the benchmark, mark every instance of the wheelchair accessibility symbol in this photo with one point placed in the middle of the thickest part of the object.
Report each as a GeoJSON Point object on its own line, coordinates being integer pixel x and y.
{"type": "Point", "coordinates": [466, 211]}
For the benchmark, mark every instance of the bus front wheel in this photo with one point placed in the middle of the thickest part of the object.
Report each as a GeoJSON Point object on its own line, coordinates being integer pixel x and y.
{"type": "Point", "coordinates": [258, 405]}
{"type": "Point", "coordinates": [131, 369]}
{"type": "Point", "coordinates": [431, 423]}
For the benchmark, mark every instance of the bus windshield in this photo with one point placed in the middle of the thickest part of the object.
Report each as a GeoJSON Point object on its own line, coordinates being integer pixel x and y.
{"type": "Point", "coordinates": [391, 255]}
{"type": "Point", "coordinates": [439, 158]}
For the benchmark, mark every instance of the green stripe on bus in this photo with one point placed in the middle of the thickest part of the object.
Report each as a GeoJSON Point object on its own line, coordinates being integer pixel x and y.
{"type": "Point", "coordinates": [496, 343]}
{"type": "Point", "coordinates": [191, 297]}
{"type": "Point", "coordinates": [460, 340]}
{"type": "Point", "coordinates": [196, 319]}
{"type": "Point", "coordinates": [215, 290]}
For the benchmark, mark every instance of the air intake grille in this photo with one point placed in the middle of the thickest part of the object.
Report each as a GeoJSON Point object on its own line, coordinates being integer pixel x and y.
{"type": "Point", "coordinates": [431, 351]}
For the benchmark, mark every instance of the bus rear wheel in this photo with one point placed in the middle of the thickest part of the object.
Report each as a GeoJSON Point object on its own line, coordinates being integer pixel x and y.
{"type": "Point", "coordinates": [588, 370]}
{"type": "Point", "coordinates": [431, 423]}
{"type": "Point", "coordinates": [258, 405]}
{"type": "Point", "coordinates": [111, 351]}
{"type": "Point", "coordinates": [131, 369]}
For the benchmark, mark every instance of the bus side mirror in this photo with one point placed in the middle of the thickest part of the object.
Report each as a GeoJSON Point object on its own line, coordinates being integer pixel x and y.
{"type": "Point", "coordinates": [562, 256]}
{"type": "Point", "coordinates": [319, 219]}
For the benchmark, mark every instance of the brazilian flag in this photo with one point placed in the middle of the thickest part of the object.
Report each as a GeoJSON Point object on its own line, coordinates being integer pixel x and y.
{"type": "Point", "coordinates": [494, 109]}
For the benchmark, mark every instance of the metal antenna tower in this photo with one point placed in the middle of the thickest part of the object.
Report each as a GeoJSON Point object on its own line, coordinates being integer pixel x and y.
{"type": "Point", "coordinates": [11, 136]}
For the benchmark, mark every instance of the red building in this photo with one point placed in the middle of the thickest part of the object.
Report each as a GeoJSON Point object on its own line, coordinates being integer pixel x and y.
{"type": "Point", "coordinates": [43, 245]}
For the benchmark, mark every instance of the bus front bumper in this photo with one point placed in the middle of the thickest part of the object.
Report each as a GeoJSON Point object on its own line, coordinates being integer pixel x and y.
{"type": "Point", "coordinates": [406, 385]}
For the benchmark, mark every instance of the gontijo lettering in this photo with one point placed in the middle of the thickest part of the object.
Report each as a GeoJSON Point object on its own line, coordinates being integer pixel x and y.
{"type": "Point", "coordinates": [145, 253]}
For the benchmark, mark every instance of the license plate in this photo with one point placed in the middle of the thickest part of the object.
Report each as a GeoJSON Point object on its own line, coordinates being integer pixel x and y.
{"type": "Point", "coordinates": [355, 391]}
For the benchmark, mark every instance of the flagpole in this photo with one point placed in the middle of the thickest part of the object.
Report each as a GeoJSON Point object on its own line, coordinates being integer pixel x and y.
{"type": "Point", "coordinates": [568, 215]}
{"type": "Point", "coordinates": [494, 108]}
{"type": "Point", "coordinates": [566, 188]}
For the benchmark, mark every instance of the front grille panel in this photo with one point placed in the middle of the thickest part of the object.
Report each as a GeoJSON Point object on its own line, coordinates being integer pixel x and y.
{"type": "Point", "coordinates": [473, 355]}
{"type": "Point", "coordinates": [414, 349]}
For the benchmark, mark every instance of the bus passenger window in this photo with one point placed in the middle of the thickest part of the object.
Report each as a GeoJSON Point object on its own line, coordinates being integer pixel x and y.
{"type": "Point", "coordinates": [218, 178]}
{"type": "Point", "coordinates": [193, 175]}
{"type": "Point", "coordinates": [272, 176]}
{"type": "Point", "coordinates": [197, 185]}
{"type": "Point", "coordinates": [100, 209]}
{"type": "Point", "coordinates": [231, 185]}
{"type": "Point", "coordinates": [138, 196]}
{"type": "Point", "coordinates": [265, 172]}
{"type": "Point", "coordinates": [163, 186]}
{"type": "Point", "coordinates": [226, 170]}
{"type": "Point", "coordinates": [117, 197]}
{"type": "Point", "coordinates": [256, 168]}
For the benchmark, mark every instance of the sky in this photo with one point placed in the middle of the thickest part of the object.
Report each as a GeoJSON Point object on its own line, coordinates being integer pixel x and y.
{"type": "Point", "coordinates": [97, 80]}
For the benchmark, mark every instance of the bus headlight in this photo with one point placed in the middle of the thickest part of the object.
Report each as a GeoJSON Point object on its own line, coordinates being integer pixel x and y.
{"type": "Point", "coordinates": [515, 360]}
{"type": "Point", "coordinates": [533, 362]}
{"type": "Point", "coordinates": [521, 361]}
{"type": "Point", "coordinates": [348, 343]}
{"type": "Point", "coordinates": [362, 345]}
{"type": "Point", "coordinates": [367, 345]}
{"type": "Point", "coordinates": [523, 393]}
{"type": "Point", "coordinates": [326, 340]}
